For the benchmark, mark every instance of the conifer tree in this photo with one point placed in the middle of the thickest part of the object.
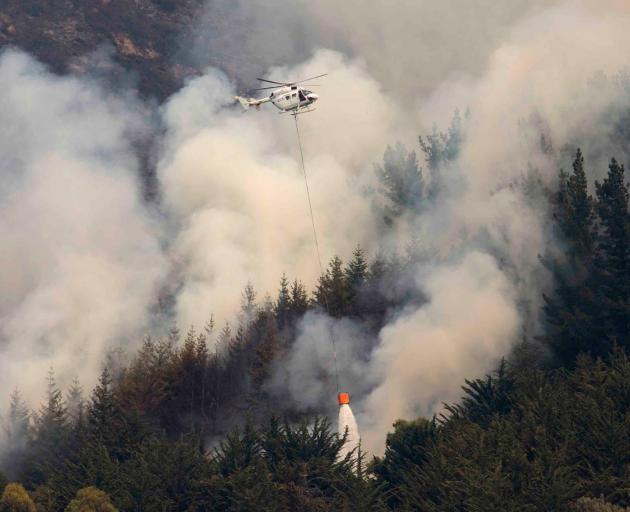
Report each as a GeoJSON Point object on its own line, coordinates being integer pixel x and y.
{"type": "Point", "coordinates": [299, 300]}
{"type": "Point", "coordinates": [19, 417]}
{"type": "Point", "coordinates": [51, 427]}
{"type": "Point", "coordinates": [573, 310]}
{"type": "Point", "coordinates": [76, 403]}
{"type": "Point", "coordinates": [401, 181]}
{"type": "Point", "coordinates": [454, 138]}
{"type": "Point", "coordinates": [332, 291]}
{"type": "Point", "coordinates": [614, 244]}
{"type": "Point", "coordinates": [53, 413]}
{"type": "Point", "coordinates": [248, 305]}
{"type": "Point", "coordinates": [283, 303]}
{"type": "Point", "coordinates": [356, 273]}
{"type": "Point", "coordinates": [356, 270]}
{"type": "Point", "coordinates": [106, 422]}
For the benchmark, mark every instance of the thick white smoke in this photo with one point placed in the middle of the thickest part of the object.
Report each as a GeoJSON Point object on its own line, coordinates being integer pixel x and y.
{"type": "Point", "coordinates": [79, 259]}
{"type": "Point", "coordinates": [233, 183]}
{"type": "Point", "coordinates": [82, 260]}
{"type": "Point", "coordinates": [484, 286]}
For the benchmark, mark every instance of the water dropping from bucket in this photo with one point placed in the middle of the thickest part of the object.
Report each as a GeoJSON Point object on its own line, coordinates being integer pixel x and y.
{"type": "Point", "coordinates": [347, 422]}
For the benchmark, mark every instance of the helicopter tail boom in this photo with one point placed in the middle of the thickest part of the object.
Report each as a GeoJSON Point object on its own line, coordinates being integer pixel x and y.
{"type": "Point", "coordinates": [250, 102]}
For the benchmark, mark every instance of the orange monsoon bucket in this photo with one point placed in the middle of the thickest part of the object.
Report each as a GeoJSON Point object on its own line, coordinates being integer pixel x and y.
{"type": "Point", "coordinates": [344, 398]}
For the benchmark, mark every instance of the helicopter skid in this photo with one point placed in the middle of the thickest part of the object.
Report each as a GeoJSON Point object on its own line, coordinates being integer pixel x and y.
{"type": "Point", "coordinates": [303, 110]}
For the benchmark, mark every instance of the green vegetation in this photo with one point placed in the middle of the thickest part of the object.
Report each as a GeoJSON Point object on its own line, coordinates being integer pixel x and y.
{"type": "Point", "coordinates": [16, 499]}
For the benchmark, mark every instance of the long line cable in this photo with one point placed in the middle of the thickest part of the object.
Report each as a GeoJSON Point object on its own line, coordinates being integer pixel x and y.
{"type": "Point", "coordinates": [319, 258]}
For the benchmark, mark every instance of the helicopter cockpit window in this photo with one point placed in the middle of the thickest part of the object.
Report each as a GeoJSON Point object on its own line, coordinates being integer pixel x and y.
{"type": "Point", "coordinates": [302, 97]}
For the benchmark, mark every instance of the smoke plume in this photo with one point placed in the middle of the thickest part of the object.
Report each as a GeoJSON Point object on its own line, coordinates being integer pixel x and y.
{"type": "Point", "coordinates": [83, 258]}
{"type": "Point", "coordinates": [80, 257]}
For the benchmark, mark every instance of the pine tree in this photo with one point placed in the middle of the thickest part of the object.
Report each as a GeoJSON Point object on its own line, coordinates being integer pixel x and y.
{"type": "Point", "coordinates": [440, 149]}
{"type": "Point", "coordinates": [356, 270]}
{"type": "Point", "coordinates": [573, 310]}
{"type": "Point", "coordinates": [614, 243]}
{"type": "Point", "coordinates": [51, 436]}
{"type": "Point", "coordinates": [224, 339]}
{"type": "Point", "coordinates": [332, 291]}
{"type": "Point", "coordinates": [76, 403]}
{"type": "Point", "coordinates": [248, 305]}
{"type": "Point", "coordinates": [283, 303]}
{"type": "Point", "coordinates": [454, 138]}
{"type": "Point", "coordinates": [355, 275]}
{"type": "Point", "coordinates": [53, 412]}
{"type": "Point", "coordinates": [106, 421]}
{"type": "Point", "coordinates": [299, 300]}
{"type": "Point", "coordinates": [19, 417]}
{"type": "Point", "coordinates": [401, 181]}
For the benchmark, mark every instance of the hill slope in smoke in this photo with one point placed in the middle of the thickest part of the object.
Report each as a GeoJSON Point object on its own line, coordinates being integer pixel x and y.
{"type": "Point", "coordinates": [144, 36]}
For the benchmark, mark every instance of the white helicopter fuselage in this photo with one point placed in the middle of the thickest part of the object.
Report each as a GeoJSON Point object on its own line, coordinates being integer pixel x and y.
{"type": "Point", "coordinates": [289, 99]}
{"type": "Point", "coordinates": [293, 97]}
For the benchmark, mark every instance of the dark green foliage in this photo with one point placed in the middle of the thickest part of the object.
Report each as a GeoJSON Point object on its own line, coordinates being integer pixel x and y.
{"type": "Point", "coordinates": [281, 467]}
{"type": "Point", "coordinates": [565, 435]}
{"type": "Point", "coordinates": [332, 292]}
{"type": "Point", "coordinates": [356, 273]}
{"type": "Point", "coordinates": [485, 398]}
{"type": "Point", "coordinates": [523, 438]}
{"type": "Point", "coordinates": [51, 434]}
{"type": "Point", "coordinates": [405, 448]}
{"type": "Point", "coordinates": [589, 310]}
{"type": "Point", "coordinates": [283, 303]}
{"type": "Point", "coordinates": [614, 261]}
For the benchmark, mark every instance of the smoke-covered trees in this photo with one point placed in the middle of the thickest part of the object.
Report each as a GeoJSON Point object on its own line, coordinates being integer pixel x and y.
{"type": "Point", "coordinates": [168, 431]}
{"type": "Point", "coordinates": [17, 429]}
{"type": "Point", "coordinates": [401, 180]}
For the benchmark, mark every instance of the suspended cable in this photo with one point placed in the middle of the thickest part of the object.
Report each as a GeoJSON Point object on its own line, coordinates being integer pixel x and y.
{"type": "Point", "coordinates": [319, 258]}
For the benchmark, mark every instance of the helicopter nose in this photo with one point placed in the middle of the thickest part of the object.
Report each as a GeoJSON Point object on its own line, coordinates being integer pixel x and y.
{"type": "Point", "coordinates": [313, 97]}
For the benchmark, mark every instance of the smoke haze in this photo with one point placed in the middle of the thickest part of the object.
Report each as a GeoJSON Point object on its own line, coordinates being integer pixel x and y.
{"type": "Point", "coordinates": [83, 259]}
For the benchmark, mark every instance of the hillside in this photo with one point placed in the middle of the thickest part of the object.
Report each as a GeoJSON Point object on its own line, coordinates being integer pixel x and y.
{"type": "Point", "coordinates": [143, 36]}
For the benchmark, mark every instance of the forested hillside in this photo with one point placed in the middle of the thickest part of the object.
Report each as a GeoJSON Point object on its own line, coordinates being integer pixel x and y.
{"type": "Point", "coordinates": [185, 285]}
{"type": "Point", "coordinates": [186, 427]}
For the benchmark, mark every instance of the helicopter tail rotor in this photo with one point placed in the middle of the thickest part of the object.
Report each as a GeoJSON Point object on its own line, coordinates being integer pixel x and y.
{"type": "Point", "coordinates": [245, 103]}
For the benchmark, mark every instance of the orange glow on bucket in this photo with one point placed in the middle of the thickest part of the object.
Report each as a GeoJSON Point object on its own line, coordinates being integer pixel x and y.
{"type": "Point", "coordinates": [344, 398]}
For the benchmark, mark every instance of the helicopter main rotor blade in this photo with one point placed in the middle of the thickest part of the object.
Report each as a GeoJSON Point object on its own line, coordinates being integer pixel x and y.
{"type": "Point", "coordinates": [276, 87]}
{"type": "Point", "coordinates": [312, 78]}
{"type": "Point", "coordinates": [271, 81]}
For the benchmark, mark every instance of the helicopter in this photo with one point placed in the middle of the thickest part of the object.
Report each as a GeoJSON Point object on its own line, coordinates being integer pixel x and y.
{"type": "Point", "coordinates": [288, 97]}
